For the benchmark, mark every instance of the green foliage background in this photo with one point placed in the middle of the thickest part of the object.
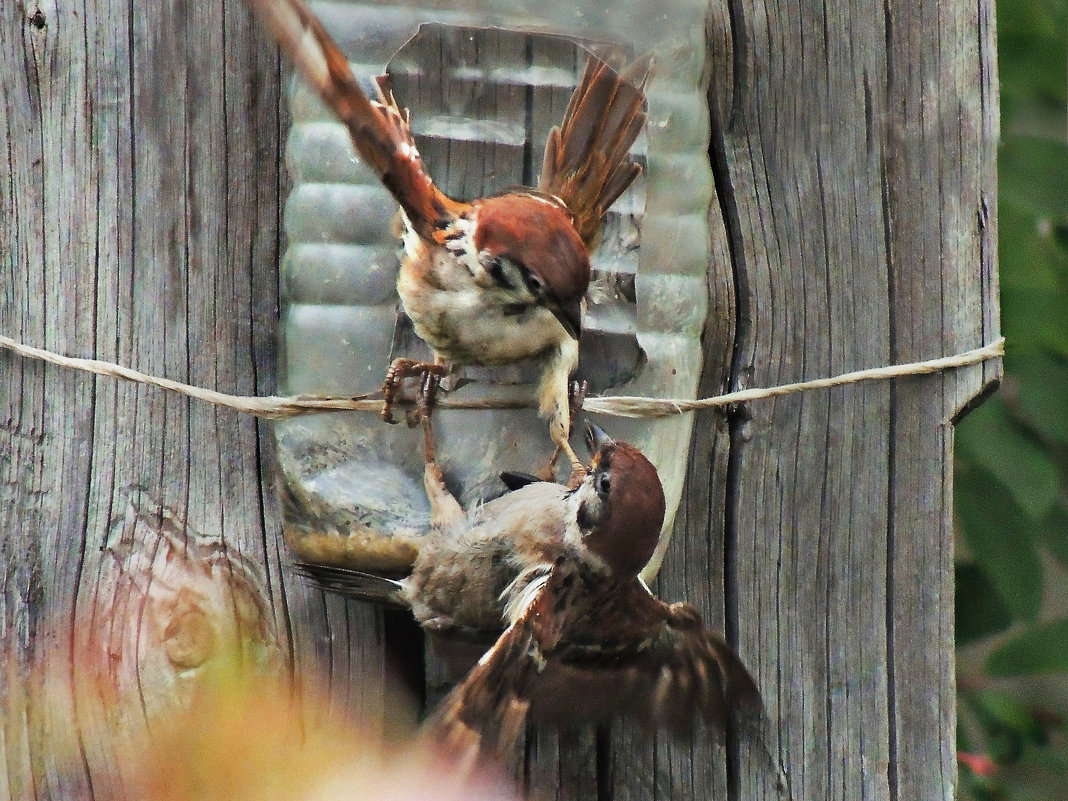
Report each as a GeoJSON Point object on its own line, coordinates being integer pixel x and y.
{"type": "Point", "coordinates": [1012, 452]}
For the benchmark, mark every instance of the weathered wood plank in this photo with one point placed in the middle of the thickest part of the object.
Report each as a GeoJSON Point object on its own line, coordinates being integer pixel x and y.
{"type": "Point", "coordinates": [140, 190]}
{"type": "Point", "coordinates": [693, 569]}
{"type": "Point", "coordinates": [140, 193]}
{"type": "Point", "coordinates": [853, 172]}
{"type": "Point", "coordinates": [941, 246]}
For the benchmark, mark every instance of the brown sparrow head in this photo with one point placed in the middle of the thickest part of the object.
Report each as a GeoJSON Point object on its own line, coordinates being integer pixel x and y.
{"type": "Point", "coordinates": [620, 505]}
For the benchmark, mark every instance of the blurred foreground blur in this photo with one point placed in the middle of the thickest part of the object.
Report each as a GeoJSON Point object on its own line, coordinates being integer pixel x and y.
{"type": "Point", "coordinates": [170, 683]}
{"type": "Point", "coordinates": [244, 735]}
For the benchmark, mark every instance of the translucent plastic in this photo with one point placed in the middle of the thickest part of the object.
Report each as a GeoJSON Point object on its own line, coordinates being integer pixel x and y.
{"type": "Point", "coordinates": [482, 101]}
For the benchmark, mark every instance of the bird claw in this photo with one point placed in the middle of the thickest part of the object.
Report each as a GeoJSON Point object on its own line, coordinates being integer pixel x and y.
{"type": "Point", "coordinates": [401, 369]}
{"type": "Point", "coordinates": [578, 473]}
{"type": "Point", "coordinates": [575, 397]}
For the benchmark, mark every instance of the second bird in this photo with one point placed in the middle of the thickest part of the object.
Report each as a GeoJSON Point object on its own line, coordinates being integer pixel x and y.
{"type": "Point", "coordinates": [501, 278]}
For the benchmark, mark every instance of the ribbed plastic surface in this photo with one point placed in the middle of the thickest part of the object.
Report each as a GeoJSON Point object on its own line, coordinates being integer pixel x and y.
{"type": "Point", "coordinates": [482, 101]}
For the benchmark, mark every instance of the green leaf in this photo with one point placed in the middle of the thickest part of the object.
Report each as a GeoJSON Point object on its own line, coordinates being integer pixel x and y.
{"type": "Point", "coordinates": [1051, 758]}
{"type": "Point", "coordinates": [1031, 17]}
{"type": "Point", "coordinates": [1053, 533]}
{"type": "Point", "coordinates": [1033, 73]}
{"type": "Point", "coordinates": [1047, 326]}
{"type": "Point", "coordinates": [1032, 256]}
{"type": "Point", "coordinates": [1003, 709]}
{"type": "Point", "coordinates": [1042, 648]}
{"type": "Point", "coordinates": [1008, 724]}
{"type": "Point", "coordinates": [989, 438]}
{"type": "Point", "coordinates": [997, 533]}
{"type": "Point", "coordinates": [1031, 45]}
{"type": "Point", "coordinates": [979, 610]}
{"type": "Point", "coordinates": [1034, 172]}
{"type": "Point", "coordinates": [1039, 383]}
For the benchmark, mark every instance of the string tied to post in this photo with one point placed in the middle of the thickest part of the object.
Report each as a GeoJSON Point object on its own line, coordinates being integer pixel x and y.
{"type": "Point", "coordinates": [274, 407]}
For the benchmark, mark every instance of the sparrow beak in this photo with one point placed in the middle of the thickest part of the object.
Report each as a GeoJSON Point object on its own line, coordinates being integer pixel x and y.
{"type": "Point", "coordinates": [570, 316]}
{"type": "Point", "coordinates": [595, 438]}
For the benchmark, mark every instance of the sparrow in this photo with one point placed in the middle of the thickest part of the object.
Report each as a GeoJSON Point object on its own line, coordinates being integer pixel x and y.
{"type": "Point", "coordinates": [584, 639]}
{"type": "Point", "coordinates": [501, 278]}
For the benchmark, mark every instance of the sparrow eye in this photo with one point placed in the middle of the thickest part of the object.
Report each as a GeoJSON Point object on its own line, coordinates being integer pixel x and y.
{"type": "Point", "coordinates": [533, 282]}
{"type": "Point", "coordinates": [604, 485]}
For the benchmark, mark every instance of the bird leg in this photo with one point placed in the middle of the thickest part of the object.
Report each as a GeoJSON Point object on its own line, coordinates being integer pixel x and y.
{"type": "Point", "coordinates": [561, 435]}
{"type": "Point", "coordinates": [429, 391]}
{"type": "Point", "coordinates": [400, 369]}
{"type": "Point", "coordinates": [445, 510]}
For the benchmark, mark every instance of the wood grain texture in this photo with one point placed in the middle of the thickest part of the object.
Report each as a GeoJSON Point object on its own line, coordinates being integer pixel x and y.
{"type": "Point", "coordinates": [854, 225]}
{"type": "Point", "coordinates": [139, 193]}
{"type": "Point", "coordinates": [854, 154]}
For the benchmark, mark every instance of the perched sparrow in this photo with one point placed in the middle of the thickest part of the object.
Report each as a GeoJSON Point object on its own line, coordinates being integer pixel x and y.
{"type": "Point", "coordinates": [585, 639]}
{"type": "Point", "coordinates": [501, 278]}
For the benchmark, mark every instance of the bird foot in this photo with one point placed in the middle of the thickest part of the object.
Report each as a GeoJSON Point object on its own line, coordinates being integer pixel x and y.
{"type": "Point", "coordinates": [575, 397]}
{"type": "Point", "coordinates": [401, 369]}
{"type": "Point", "coordinates": [578, 470]}
{"type": "Point", "coordinates": [445, 511]}
{"type": "Point", "coordinates": [578, 473]}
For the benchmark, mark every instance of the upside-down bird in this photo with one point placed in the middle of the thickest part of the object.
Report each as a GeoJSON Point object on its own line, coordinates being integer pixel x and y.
{"type": "Point", "coordinates": [584, 639]}
{"type": "Point", "coordinates": [501, 278]}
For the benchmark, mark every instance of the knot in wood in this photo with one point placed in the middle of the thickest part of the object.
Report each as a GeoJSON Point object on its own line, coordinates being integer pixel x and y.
{"type": "Point", "coordinates": [189, 638]}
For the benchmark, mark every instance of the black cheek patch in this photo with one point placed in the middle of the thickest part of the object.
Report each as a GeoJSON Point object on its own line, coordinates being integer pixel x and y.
{"type": "Point", "coordinates": [496, 271]}
{"type": "Point", "coordinates": [589, 518]}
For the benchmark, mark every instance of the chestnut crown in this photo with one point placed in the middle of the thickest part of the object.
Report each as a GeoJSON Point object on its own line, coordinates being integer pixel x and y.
{"type": "Point", "coordinates": [622, 507]}
{"type": "Point", "coordinates": [537, 235]}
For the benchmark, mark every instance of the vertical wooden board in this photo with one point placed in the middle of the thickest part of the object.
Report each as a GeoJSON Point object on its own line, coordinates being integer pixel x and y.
{"type": "Point", "coordinates": [52, 165]}
{"type": "Point", "coordinates": [20, 393]}
{"type": "Point", "coordinates": [944, 285]}
{"type": "Point", "coordinates": [561, 764]}
{"type": "Point", "coordinates": [693, 567]}
{"type": "Point", "coordinates": [779, 556]}
{"type": "Point", "coordinates": [140, 189]}
{"type": "Point", "coordinates": [849, 245]}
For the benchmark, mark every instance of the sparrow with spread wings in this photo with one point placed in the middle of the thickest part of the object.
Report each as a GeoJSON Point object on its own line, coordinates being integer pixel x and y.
{"type": "Point", "coordinates": [584, 640]}
{"type": "Point", "coordinates": [501, 278]}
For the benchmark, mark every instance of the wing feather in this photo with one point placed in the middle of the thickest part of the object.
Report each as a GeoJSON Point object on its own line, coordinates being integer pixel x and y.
{"type": "Point", "coordinates": [486, 712]}
{"type": "Point", "coordinates": [379, 129]}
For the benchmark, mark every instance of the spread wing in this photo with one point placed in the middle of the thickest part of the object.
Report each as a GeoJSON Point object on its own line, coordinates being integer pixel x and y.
{"type": "Point", "coordinates": [658, 663]}
{"type": "Point", "coordinates": [699, 671]}
{"type": "Point", "coordinates": [486, 712]}
{"type": "Point", "coordinates": [379, 129]}
{"type": "Point", "coordinates": [585, 650]}
{"type": "Point", "coordinates": [585, 162]}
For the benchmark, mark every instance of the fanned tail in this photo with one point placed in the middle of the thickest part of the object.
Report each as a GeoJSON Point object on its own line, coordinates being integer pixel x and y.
{"type": "Point", "coordinates": [585, 162]}
{"type": "Point", "coordinates": [379, 129]}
